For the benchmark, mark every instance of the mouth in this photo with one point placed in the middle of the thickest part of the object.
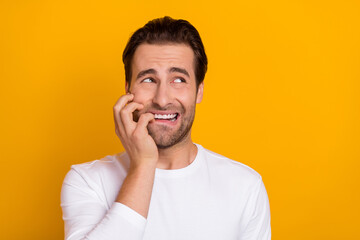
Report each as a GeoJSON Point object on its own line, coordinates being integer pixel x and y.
{"type": "Point", "coordinates": [172, 117]}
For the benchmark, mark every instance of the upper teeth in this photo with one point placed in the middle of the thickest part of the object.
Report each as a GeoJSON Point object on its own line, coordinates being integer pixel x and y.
{"type": "Point", "coordinates": [165, 116]}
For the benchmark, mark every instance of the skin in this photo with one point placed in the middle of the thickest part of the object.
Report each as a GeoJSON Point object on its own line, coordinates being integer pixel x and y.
{"type": "Point", "coordinates": [163, 82]}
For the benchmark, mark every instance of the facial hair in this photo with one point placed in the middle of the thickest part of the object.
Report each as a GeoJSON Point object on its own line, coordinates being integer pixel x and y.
{"type": "Point", "coordinates": [164, 136]}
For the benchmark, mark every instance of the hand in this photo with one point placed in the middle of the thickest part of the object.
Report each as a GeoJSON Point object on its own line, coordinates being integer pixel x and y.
{"type": "Point", "coordinates": [134, 136]}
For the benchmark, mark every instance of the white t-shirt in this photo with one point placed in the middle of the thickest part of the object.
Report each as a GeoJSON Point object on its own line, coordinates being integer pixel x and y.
{"type": "Point", "coordinates": [214, 198]}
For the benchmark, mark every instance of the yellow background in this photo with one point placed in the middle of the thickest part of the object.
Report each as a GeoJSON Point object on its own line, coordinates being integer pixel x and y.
{"type": "Point", "coordinates": [282, 95]}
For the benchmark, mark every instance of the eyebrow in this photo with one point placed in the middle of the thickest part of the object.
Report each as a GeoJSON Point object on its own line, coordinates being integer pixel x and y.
{"type": "Point", "coordinates": [179, 70]}
{"type": "Point", "coordinates": [153, 71]}
{"type": "Point", "coordinates": [145, 72]}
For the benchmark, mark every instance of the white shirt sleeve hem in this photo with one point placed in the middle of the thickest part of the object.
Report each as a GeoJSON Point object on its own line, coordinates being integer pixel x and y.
{"type": "Point", "coordinates": [129, 214]}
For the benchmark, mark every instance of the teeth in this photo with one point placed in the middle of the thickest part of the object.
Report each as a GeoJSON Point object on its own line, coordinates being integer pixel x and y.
{"type": "Point", "coordinates": [165, 116]}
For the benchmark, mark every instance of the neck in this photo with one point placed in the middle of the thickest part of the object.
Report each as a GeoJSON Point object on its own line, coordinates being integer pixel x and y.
{"type": "Point", "coordinates": [177, 156]}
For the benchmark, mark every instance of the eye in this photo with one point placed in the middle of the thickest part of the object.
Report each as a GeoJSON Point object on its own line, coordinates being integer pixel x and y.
{"type": "Point", "coordinates": [148, 80]}
{"type": "Point", "coordinates": [179, 80]}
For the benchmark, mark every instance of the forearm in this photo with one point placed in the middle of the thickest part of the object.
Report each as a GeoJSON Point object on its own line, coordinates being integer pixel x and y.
{"type": "Point", "coordinates": [137, 188]}
{"type": "Point", "coordinates": [86, 215]}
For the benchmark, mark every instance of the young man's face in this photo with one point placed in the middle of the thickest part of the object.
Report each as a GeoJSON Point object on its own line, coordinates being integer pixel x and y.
{"type": "Point", "coordinates": [163, 80]}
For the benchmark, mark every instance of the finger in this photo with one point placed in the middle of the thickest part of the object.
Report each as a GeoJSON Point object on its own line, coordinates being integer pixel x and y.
{"type": "Point", "coordinates": [143, 122]}
{"type": "Point", "coordinates": [121, 102]}
{"type": "Point", "coordinates": [118, 134]}
{"type": "Point", "coordinates": [126, 115]}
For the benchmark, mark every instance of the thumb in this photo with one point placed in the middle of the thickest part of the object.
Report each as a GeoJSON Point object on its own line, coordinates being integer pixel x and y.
{"type": "Point", "coordinates": [144, 121]}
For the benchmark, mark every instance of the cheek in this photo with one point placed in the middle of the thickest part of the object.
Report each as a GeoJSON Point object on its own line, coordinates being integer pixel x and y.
{"type": "Point", "coordinates": [142, 95]}
{"type": "Point", "coordinates": [187, 100]}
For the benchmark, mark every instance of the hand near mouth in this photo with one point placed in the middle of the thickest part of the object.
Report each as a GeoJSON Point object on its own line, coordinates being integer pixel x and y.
{"type": "Point", "coordinates": [134, 135]}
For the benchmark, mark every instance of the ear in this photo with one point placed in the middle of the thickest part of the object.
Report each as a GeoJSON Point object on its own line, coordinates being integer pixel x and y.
{"type": "Point", "coordinates": [200, 92]}
{"type": "Point", "coordinates": [126, 87]}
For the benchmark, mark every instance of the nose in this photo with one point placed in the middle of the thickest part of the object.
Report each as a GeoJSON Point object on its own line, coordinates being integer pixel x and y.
{"type": "Point", "coordinates": [162, 96]}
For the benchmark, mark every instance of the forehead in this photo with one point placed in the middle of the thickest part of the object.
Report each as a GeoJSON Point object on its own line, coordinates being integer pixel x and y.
{"type": "Point", "coordinates": [162, 57]}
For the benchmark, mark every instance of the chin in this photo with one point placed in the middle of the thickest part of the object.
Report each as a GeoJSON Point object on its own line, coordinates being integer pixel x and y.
{"type": "Point", "coordinates": [164, 141]}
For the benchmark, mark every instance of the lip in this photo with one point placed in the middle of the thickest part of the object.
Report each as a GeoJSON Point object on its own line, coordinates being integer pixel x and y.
{"type": "Point", "coordinates": [163, 112]}
{"type": "Point", "coordinates": [165, 122]}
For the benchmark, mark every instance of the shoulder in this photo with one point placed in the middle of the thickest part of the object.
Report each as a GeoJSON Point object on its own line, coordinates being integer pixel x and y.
{"type": "Point", "coordinates": [229, 169]}
{"type": "Point", "coordinates": [106, 168]}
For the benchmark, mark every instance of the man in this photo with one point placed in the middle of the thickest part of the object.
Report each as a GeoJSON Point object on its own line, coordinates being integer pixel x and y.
{"type": "Point", "coordinates": [164, 186]}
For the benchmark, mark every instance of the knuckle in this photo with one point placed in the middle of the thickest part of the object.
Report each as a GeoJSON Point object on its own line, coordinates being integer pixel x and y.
{"type": "Point", "coordinates": [136, 135]}
{"type": "Point", "coordinates": [116, 108]}
{"type": "Point", "coordinates": [123, 112]}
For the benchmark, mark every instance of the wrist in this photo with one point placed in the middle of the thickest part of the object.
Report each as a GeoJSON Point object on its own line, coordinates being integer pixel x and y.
{"type": "Point", "coordinates": [144, 166]}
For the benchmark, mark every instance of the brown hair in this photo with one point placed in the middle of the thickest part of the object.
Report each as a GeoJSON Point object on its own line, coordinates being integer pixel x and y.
{"type": "Point", "coordinates": [167, 30]}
